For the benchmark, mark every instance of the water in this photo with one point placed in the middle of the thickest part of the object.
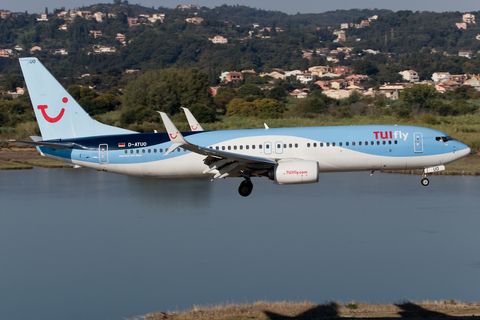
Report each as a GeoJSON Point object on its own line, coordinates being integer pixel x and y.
{"type": "Point", "coordinates": [81, 244]}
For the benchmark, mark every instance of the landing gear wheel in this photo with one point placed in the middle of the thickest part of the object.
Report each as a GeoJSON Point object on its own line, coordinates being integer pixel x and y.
{"type": "Point", "coordinates": [245, 188]}
{"type": "Point", "coordinates": [425, 182]}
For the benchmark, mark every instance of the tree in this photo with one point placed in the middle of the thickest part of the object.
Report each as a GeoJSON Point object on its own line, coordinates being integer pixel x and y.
{"type": "Point", "coordinates": [422, 95]}
{"type": "Point", "coordinates": [12, 82]}
{"type": "Point", "coordinates": [278, 93]}
{"type": "Point", "coordinates": [202, 113]}
{"type": "Point", "coordinates": [168, 89]}
{"type": "Point", "coordinates": [262, 108]}
{"type": "Point", "coordinates": [249, 90]}
{"type": "Point", "coordinates": [365, 67]}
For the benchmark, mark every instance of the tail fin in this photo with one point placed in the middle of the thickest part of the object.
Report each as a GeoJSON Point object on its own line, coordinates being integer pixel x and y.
{"type": "Point", "coordinates": [59, 116]}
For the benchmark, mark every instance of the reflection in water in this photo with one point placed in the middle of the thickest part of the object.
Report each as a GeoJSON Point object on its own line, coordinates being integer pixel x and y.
{"type": "Point", "coordinates": [81, 244]}
{"type": "Point", "coordinates": [169, 193]}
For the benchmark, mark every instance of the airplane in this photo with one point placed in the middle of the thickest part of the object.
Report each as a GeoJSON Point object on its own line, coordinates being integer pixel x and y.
{"type": "Point", "coordinates": [284, 155]}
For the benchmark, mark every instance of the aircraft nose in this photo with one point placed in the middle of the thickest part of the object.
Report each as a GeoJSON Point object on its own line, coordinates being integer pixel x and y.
{"type": "Point", "coordinates": [463, 150]}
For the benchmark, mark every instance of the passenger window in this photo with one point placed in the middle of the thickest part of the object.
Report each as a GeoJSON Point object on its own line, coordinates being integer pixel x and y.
{"type": "Point", "coordinates": [241, 147]}
{"type": "Point", "coordinates": [229, 148]}
{"type": "Point", "coordinates": [267, 146]}
{"type": "Point", "coordinates": [308, 145]}
{"type": "Point", "coordinates": [347, 143]}
{"type": "Point", "coordinates": [396, 142]}
{"type": "Point", "coordinates": [160, 150]}
{"type": "Point", "coordinates": [290, 145]}
{"type": "Point", "coordinates": [154, 150]}
{"type": "Point", "coordinates": [366, 143]}
{"type": "Point", "coordinates": [328, 144]}
{"type": "Point", "coordinates": [149, 150]}
{"type": "Point", "coordinates": [138, 151]}
{"type": "Point", "coordinates": [372, 143]}
{"type": "Point", "coordinates": [321, 144]}
{"type": "Point", "coordinates": [131, 151]}
{"type": "Point", "coordinates": [359, 143]}
{"type": "Point", "coordinates": [166, 149]}
{"type": "Point", "coordinates": [234, 147]}
{"type": "Point", "coordinates": [285, 146]}
{"type": "Point", "coordinates": [126, 151]}
{"type": "Point", "coordinates": [340, 144]}
{"type": "Point", "coordinates": [223, 147]}
{"type": "Point", "coordinates": [247, 147]}
{"type": "Point", "coordinates": [296, 145]}
{"type": "Point", "coordinates": [315, 145]}
{"type": "Point", "coordinates": [353, 143]}
{"type": "Point", "coordinates": [279, 145]}
{"type": "Point", "coordinates": [384, 142]}
{"type": "Point", "coordinates": [178, 150]}
{"type": "Point", "coordinates": [259, 146]}
{"type": "Point", "coordinates": [389, 141]}
{"type": "Point", "coordinates": [378, 143]}
{"type": "Point", "coordinates": [217, 148]}
{"type": "Point", "coordinates": [333, 144]}
{"type": "Point", "coordinates": [253, 146]}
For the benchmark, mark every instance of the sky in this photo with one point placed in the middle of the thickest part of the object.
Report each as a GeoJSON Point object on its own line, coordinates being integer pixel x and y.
{"type": "Point", "coordinates": [287, 6]}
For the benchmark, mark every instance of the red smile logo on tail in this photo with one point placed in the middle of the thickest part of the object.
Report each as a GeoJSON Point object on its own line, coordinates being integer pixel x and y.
{"type": "Point", "coordinates": [171, 136]}
{"type": "Point", "coordinates": [49, 119]}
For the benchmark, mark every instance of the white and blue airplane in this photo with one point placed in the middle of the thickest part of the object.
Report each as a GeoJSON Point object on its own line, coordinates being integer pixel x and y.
{"type": "Point", "coordinates": [284, 155]}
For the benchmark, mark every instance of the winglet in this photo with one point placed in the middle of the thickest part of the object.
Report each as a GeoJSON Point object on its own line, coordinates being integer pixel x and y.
{"type": "Point", "coordinates": [266, 127]}
{"type": "Point", "coordinates": [192, 122]}
{"type": "Point", "coordinates": [175, 136]}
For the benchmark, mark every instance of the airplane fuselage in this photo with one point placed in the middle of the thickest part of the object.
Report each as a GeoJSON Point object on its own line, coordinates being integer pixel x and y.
{"type": "Point", "coordinates": [336, 149]}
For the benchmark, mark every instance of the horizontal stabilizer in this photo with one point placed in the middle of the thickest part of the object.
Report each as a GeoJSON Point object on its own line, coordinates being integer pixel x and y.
{"type": "Point", "coordinates": [52, 145]}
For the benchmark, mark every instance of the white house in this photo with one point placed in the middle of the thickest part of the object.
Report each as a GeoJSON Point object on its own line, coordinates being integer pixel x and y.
{"type": "Point", "coordinates": [410, 75]}
{"type": "Point", "coordinates": [218, 39]}
{"type": "Point", "coordinates": [292, 73]}
{"type": "Point", "coordinates": [465, 53]}
{"type": "Point", "coordinates": [469, 18]}
{"type": "Point", "coordinates": [441, 77]}
{"type": "Point", "coordinates": [99, 16]}
{"type": "Point", "coordinates": [306, 77]}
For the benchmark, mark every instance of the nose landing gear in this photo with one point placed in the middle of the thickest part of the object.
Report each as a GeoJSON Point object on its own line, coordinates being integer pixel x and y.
{"type": "Point", "coordinates": [245, 188]}
{"type": "Point", "coordinates": [425, 181]}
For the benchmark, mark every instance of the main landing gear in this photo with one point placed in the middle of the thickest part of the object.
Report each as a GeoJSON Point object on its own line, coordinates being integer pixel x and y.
{"type": "Point", "coordinates": [245, 188]}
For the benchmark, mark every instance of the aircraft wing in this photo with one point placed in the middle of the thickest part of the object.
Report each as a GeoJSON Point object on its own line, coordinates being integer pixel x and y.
{"type": "Point", "coordinates": [192, 121]}
{"type": "Point", "coordinates": [221, 162]}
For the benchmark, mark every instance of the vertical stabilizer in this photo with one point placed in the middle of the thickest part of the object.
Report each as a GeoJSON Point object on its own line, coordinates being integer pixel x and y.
{"type": "Point", "coordinates": [59, 116]}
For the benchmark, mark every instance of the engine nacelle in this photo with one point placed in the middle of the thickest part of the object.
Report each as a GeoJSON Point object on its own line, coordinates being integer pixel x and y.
{"type": "Point", "coordinates": [295, 172]}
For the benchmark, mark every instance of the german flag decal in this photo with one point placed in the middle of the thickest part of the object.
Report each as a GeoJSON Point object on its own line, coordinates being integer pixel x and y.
{"type": "Point", "coordinates": [121, 145]}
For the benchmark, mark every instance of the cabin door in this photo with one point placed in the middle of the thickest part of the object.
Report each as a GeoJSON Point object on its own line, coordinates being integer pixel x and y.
{"type": "Point", "coordinates": [418, 142]}
{"type": "Point", "coordinates": [103, 153]}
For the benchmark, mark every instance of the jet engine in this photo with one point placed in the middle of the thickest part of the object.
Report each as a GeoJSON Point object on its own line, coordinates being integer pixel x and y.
{"type": "Point", "coordinates": [295, 172]}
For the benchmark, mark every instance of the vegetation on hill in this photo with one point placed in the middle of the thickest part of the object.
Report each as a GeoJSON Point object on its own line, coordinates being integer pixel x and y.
{"type": "Point", "coordinates": [173, 63]}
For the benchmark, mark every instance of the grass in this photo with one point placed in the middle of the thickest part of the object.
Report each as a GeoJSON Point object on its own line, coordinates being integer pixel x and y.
{"type": "Point", "coordinates": [11, 165]}
{"type": "Point", "coordinates": [42, 162]}
{"type": "Point", "coordinates": [263, 310]}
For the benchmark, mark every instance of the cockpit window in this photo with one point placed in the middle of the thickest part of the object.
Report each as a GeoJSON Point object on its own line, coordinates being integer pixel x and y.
{"type": "Point", "coordinates": [444, 138]}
